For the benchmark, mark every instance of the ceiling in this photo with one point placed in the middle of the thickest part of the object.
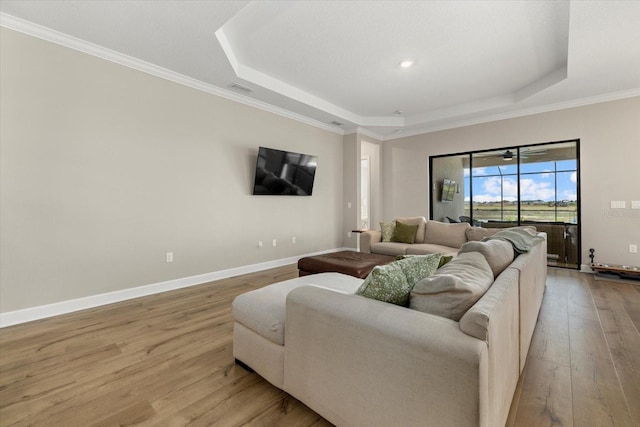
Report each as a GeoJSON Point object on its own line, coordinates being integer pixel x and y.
{"type": "Point", "coordinates": [339, 61]}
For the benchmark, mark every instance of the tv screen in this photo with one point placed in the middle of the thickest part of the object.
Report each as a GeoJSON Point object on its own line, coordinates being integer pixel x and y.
{"type": "Point", "coordinates": [448, 190]}
{"type": "Point", "coordinates": [284, 173]}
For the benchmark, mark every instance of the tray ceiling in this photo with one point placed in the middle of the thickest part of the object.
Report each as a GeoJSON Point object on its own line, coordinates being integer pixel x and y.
{"type": "Point", "coordinates": [339, 61]}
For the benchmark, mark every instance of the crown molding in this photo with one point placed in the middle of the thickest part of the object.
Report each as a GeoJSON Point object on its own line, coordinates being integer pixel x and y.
{"type": "Point", "coordinates": [62, 39]}
{"type": "Point", "coordinates": [453, 124]}
{"type": "Point", "coordinates": [366, 132]}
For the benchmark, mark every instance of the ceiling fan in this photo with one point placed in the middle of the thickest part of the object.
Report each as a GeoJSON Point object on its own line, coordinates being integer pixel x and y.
{"type": "Point", "coordinates": [510, 155]}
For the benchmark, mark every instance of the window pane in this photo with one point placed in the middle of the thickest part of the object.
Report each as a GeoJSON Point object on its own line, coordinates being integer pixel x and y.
{"type": "Point", "coordinates": [567, 197]}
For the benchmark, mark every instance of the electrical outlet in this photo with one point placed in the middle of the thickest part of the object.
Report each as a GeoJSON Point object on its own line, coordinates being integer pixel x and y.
{"type": "Point", "coordinates": [618, 204]}
{"type": "Point", "coordinates": [348, 234]}
{"type": "Point", "coordinates": [633, 249]}
{"type": "Point", "coordinates": [635, 204]}
{"type": "Point", "coordinates": [293, 240]}
{"type": "Point", "coordinates": [275, 242]}
{"type": "Point", "coordinates": [259, 243]}
{"type": "Point", "coordinates": [169, 257]}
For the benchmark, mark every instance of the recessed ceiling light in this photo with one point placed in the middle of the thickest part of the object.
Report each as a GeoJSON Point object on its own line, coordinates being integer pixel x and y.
{"type": "Point", "coordinates": [406, 63]}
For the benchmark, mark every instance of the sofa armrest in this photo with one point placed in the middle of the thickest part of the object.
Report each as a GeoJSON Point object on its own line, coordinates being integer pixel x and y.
{"type": "Point", "coordinates": [362, 362]}
{"type": "Point", "coordinates": [369, 237]}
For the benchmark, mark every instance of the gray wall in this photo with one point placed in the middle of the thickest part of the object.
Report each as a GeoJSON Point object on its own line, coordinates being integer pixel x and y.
{"type": "Point", "coordinates": [104, 169]}
{"type": "Point", "coordinates": [451, 168]}
{"type": "Point", "coordinates": [610, 149]}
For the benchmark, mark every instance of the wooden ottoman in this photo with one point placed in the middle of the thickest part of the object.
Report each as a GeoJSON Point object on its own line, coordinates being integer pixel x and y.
{"type": "Point", "coordinates": [356, 264]}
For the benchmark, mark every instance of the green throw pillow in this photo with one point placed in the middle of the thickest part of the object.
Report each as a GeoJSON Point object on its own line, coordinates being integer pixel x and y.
{"type": "Point", "coordinates": [444, 260]}
{"type": "Point", "coordinates": [417, 267]}
{"type": "Point", "coordinates": [404, 233]}
{"type": "Point", "coordinates": [386, 283]}
{"type": "Point", "coordinates": [387, 230]}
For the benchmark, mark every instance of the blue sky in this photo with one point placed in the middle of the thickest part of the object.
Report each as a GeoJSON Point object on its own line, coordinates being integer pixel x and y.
{"type": "Point", "coordinates": [537, 182]}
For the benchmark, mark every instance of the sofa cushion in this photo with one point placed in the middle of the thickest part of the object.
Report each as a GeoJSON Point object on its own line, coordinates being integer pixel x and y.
{"type": "Point", "coordinates": [386, 283]}
{"type": "Point", "coordinates": [428, 248]}
{"type": "Point", "coordinates": [440, 233]}
{"type": "Point", "coordinates": [417, 267]}
{"type": "Point", "coordinates": [475, 321]}
{"type": "Point", "coordinates": [390, 248]}
{"type": "Point", "coordinates": [522, 240]}
{"type": "Point", "coordinates": [404, 233]}
{"type": "Point", "coordinates": [387, 230]}
{"type": "Point", "coordinates": [498, 253]}
{"type": "Point", "coordinates": [454, 288]}
{"type": "Point", "coordinates": [475, 234]}
{"type": "Point", "coordinates": [263, 310]}
{"type": "Point", "coordinates": [420, 221]}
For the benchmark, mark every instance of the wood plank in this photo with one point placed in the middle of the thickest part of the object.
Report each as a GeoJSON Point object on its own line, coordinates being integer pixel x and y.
{"type": "Point", "coordinates": [598, 399]}
{"type": "Point", "coordinates": [544, 391]}
{"type": "Point", "coordinates": [546, 398]}
{"type": "Point", "coordinates": [550, 340]}
{"type": "Point", "coordinates": [622, 338]}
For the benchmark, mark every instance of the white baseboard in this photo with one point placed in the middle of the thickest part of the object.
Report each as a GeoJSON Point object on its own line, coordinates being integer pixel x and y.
{"type": "Point", "coordinates": [41, 312]}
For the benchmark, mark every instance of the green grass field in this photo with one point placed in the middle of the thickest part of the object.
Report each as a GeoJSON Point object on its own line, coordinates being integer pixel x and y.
{"type": "Point", "coordinates": [540, 212]}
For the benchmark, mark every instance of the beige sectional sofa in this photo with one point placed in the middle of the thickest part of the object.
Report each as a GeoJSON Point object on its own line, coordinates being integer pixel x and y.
{"type": "Point", "coordinates": [362, 362]}
{"type": "Point", "coordinates": [430, 237]}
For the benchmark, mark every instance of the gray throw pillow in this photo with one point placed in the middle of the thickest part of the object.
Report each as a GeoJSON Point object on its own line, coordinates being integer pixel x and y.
{"type": "Point", "coordinates": [454, 288]}
{"type": "Point", "coordinates": [440, 233]}
{"type": "Point", "coordinates": [498, 253]}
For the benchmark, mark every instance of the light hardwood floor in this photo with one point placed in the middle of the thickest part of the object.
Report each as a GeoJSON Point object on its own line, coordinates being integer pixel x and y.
{"type": "Point", "coordinates": [167, 360]}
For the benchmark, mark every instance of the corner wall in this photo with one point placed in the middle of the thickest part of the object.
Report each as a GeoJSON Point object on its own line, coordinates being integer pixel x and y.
{"type": "Point", "coordinates": [105, 169]}
{"type": "Point", "coordinates": [609, 134]}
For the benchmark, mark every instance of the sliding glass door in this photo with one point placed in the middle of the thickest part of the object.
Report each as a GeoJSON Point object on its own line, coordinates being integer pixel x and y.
{"type": "Point", "coordinates": [521, 185]}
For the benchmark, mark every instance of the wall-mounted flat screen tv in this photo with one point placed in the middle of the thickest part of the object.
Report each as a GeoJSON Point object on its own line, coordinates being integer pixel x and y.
{"type": "Point", "coordinates": [448, 190]}
{"type": "Point", "coordinates": [284, 173]}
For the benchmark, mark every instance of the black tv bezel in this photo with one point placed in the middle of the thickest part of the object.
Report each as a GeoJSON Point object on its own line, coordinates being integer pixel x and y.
{"type": "Point", "coordinates": [292, 184]}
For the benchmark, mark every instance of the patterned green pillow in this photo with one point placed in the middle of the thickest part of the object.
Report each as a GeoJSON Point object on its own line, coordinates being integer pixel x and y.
{"type": "Point", "coordinates": [386, 283]}
{"type": "Point", "coordinates": [387, 230]}
{"type": "Point", "coordinates": [417, 267]}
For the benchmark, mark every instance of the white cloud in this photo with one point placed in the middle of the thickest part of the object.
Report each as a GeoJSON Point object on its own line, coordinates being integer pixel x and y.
{"type": "Point", "coordinates": [536, 190]}
{"type": "Point", "coordinates": [479, 171]}
{"type": "Point", "coordinates": [574, 177]}
{"type": "Point", "coordinates": [530, 189]}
